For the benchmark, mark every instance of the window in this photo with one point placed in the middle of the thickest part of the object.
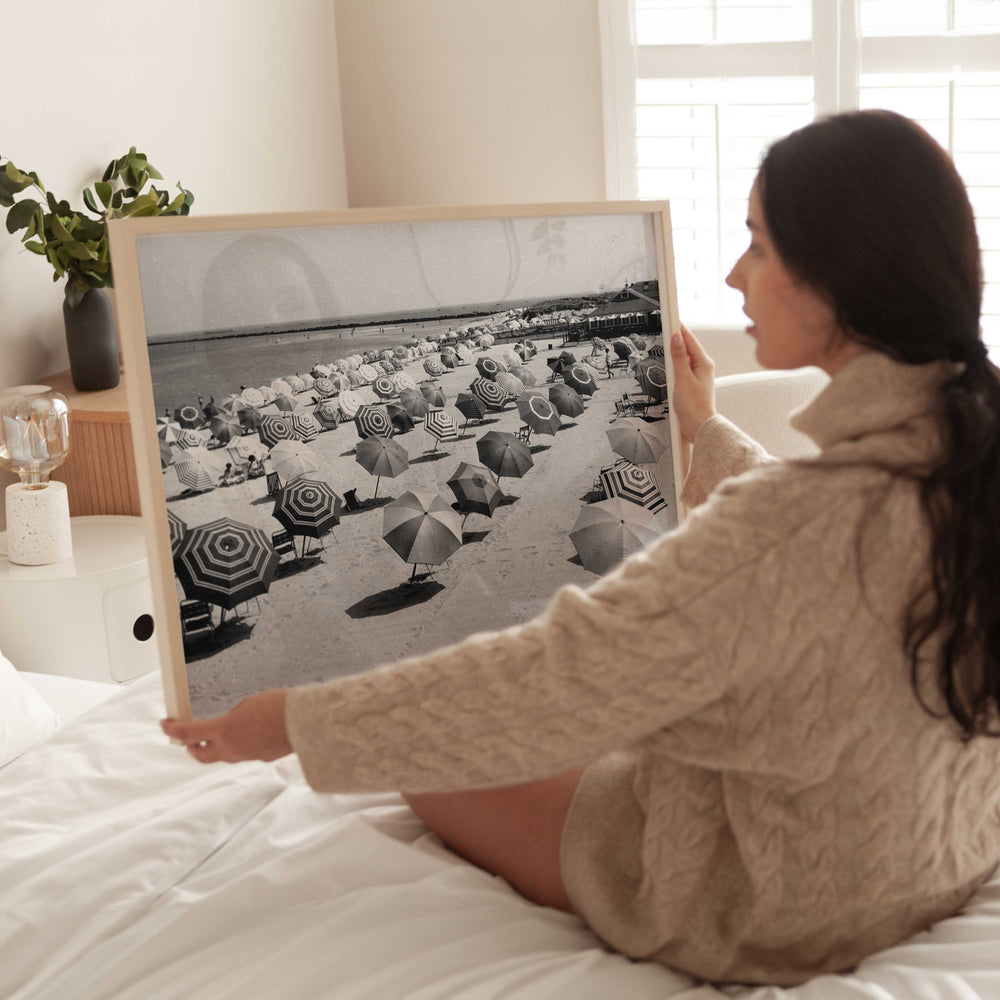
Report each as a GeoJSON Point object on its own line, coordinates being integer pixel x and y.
{"type": "Point", "coordinates": [695, 90]}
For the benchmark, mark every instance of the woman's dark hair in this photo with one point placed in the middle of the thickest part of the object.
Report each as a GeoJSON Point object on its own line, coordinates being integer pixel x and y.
{"type": "Point", "coordinates": [867, 209]}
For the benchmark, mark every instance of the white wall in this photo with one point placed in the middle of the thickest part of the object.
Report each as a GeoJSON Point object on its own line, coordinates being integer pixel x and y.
{"type": "Point", "coordinates": [238, 99]}
{"type": "Point", "coordinates": [467, 102]}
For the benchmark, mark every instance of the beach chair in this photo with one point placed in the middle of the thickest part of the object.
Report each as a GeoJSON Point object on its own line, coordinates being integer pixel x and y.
{"type": "Point", "coordinates": [524, 433]}
{"type": "Point", "coordinates": [283, 543]}
{"type": "Point", "coordinates": [196, 620]}
{"type": "Point", "coordinates": [273, 484]}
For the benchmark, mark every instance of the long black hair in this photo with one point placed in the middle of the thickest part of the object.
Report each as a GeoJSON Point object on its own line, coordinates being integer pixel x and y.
{"type": "Point", "coordinates": [867, 209]}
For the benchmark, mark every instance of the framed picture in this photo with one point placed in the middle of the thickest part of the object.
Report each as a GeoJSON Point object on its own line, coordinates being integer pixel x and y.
{"type": "Point", "coordinates": [363, 435]}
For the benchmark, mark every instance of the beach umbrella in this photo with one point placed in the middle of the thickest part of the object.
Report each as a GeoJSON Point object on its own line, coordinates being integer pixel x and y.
{"type": "Point", "coordinates": [464, 353]}
{"type": "Point", "coordinates": [475, 488]}
{"type": "Point", "coordinates": [304, 425]}
{"type": "Point", "coordinates": [489, 392]}
{"type": "Point", "coordinates": [441, 426]}
{"type": "Point", "coordinates": [284, 402]}
{"type": "Point", "coordinates": [198, 468]}
{"type": "Point", "coordinates": [599, 343]}
{"type": "Point", "coordinates": [657, 350]}
{"type": "Point", "coordinates": [381, 456]}
{"type": "Point", "coordinates": [350, 402]}
{"type": "Point", "coordinates": [510, 384]}
{"type": "Point", "coordinates": [652, 377]}
{"type": "Point", "coordinates": [580, 378]}
{"type": "Point", "coordinates": [232, 404]}
{"type": "Point", "coordinates": [531, 346]}
{"type": "Point", "coordinates": [308, 507]}
{"type": "Point", "coordinates": [526, 375]}
{"type": "Point", "coordinates": [274, 428]}
{"type": "Point", "coordinates": [372, 420]}
{"type": "Point", "coordinates": [253, 397]}
{"type": "Point", "coordinates": [633, 483]}
{"type": "Point", "coordinates": [242, 450]}
{"type": "Point", "coordinates": [432, 393]}
{"type": "Point", "coordinates": [327, 414]}
{"type": "Point", "coordinates": [189, 416]}
{"type": "Point", "coordinates": [470, 406]}
{"type": "Point", "coordinates": [399, 417]}
{"type": "Point", "coordinates": [422, 528]}
{"type": "Point", "coordinates": [414, 403]}
{"type": "Point", "coordinates": [538, 413]}
{"type": "Point", "coordinates": [608, 531]}
{"type": "Point", "coordinates": [166, 455]}
{"type": "Point", "coordinates": [623, 348]}
{"type": "Point", "coordinates": [640, 342]}
{"type": "Point", "coordinates": [566, 358]}
{"type": "Point", "coordinates": [503, 454]}
{"type": "Point", "coordinates": [402, 380]}
{"type": "Point", "coordinates": [249, 418]}
{"type": "Point", "coordinates": [167, 430]}
{"type": "Point", "coordinates": [488, 367]}
{"type": "Point", "coordinates": [433, 366]}
{"type": "Point", "coordinates": [637, 441]}
{"type": "Point", "coordinates": [225, 562]}
{"type": "Point", "coordinates": [388, 367]}
{"type": "Point", "coordinates": [280, 387]}
{"type": "Point", "coordinates": [369, 372]}
{"type": "Point", "coordinates": [566, 400]}
{"type": "Point", "coordinates": [383, 386]}
{"type": "Point", "coordinates": [292, 459]}
{"type": "Point", "coordinates": [324, 386]}
{"type": "Point", "coordinates": [447, 360]}
{"type": "Point", "coordinates": [295, 383]}
{"type": "Point", "coordinates": [178, 529]}
{"type": "Point", "coordinates": [321, 371]}
{"type": "Point", "coordinates": [355, 380]}
{"type": "Point", "coordinates": [225, 427]}
{"type": "Point", "coordinates": [191, 438]}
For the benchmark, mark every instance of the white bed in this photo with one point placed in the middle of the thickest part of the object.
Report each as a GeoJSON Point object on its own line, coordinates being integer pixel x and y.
{"type": "Point", "coordinates": [129, 871]}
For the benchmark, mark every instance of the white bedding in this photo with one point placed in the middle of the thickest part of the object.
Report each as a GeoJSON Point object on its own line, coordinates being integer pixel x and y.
{"type": "Point", "coordinates": [129, 871]}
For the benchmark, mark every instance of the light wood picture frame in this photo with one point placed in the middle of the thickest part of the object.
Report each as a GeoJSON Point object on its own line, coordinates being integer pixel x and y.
{"type": "Point", "coordinates": [317, 495]}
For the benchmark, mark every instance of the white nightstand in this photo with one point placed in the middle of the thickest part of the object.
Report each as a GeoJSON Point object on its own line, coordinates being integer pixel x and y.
{"type": "Point", "coordinates": [88, 616]}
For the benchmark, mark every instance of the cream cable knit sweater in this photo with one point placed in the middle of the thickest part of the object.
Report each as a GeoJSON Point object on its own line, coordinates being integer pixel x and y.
{"type": "Point", "coordinates": [764, 798]}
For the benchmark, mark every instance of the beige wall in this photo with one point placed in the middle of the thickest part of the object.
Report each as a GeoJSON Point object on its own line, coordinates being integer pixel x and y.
{"type": "Point", "coordinates": [467, 102]}
{"type": "Point", "coordinates": [238, 99]}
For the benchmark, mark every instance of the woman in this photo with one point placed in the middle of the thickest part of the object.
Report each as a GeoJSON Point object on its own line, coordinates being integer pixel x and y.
{"type": "Point", "coordinates": [760, 749]}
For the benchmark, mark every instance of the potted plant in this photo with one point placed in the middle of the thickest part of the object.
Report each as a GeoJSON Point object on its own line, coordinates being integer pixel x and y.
{"type": "Point", "coordinates": [76, 246]}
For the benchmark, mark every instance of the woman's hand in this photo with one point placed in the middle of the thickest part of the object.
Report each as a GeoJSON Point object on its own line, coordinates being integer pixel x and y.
{"type": "Point", "coordinates": [254, 729]}
{"type": "Point", "coordinates": [694, 383]}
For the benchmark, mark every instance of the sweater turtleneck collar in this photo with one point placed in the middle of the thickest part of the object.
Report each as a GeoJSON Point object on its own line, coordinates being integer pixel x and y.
{"type": "Point", "coordinates": [872, 393]}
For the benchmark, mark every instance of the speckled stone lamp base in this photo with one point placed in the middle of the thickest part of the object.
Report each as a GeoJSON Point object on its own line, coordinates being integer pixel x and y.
{"type": "Point", "coordinates": [38, 528]}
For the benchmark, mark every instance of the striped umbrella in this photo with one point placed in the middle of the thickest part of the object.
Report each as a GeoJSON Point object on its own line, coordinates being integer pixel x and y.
{"type": "Point", "coordinates": [638, 441]}
{"type": "Point", "coordinates": [369, 372]}
{"type": "Point", "coordinates": [475, 488]}
{"type": "Point", "coordinates": [657, 350]}
{"type": "Point", "coordinates": [608, 531]}
{"type": "Point", "coordinates": [274, 428]}
{"type": "Point", "coordinates": [177, 527]}
{"type": "Point", "coordinates": [470, 406]}
{"type": "Point", "coordinates": [372, 420]}
{"type": "Point", "coordinates": [308, 507]}
{"type": "Point", "coordinates": [433, 366]}
{"type": "Point", "coordinates": [422, 528]}
{"type": "Point", "coordinates": [253, 397]}
{"type": "Point", "coordinates": [292, 459]}
{"type": "Point", "coordinates": [566, 400]}
{"type": "Point", "coordinates": [633, 483]}
{"type": "Point", "coordinates": [189, 416]}
{"type": "Point", "coordinates": [198, 469]}
{"type": "Point", "coordinates": [441, 426]}
{"type": "Point", "coordinates": [167, 455]}
{"type": "Point", "coordinates": [225, 562]}
{"type": "Point", "coordinates": [538, 413]}
{"type": "Point", "coordinates": [324, 386]}
{"type": "Point", "coordinates": [510, 384]}
{"type": "Point", "coordinates": [381, 456]}
{"type": "Point", "coordinates": [190, 438]}
{"type": "Point", "coordinates": [488, 367]}
{"type": "Point", "coordinates": [503, 454]}
{"type": "Point", "coordinates": [304, 425]}
{"type": "Point", "coordinates": [167, 430]}
{"type": "Point", "coordinates": [403, 380]}
{"type": "Point", "coordinates": [383, 386]}
{"type": "Point", "coordinates": [489, 392]}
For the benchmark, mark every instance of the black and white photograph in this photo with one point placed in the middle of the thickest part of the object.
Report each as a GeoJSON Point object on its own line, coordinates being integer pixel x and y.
{"type": "Point", "coordinates": [378, 438]}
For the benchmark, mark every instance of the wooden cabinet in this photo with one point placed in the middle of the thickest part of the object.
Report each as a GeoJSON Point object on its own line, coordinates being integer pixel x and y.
{"type": "Point", "coordinates": [100, 471]}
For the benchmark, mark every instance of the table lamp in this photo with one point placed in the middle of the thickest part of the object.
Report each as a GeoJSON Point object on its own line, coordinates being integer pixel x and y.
{"type": "Point", "coordinates": [34, 440]}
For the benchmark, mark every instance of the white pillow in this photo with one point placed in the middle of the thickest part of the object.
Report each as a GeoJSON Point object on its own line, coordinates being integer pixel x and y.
{"type": "Point", "coordinates": [26, 718]}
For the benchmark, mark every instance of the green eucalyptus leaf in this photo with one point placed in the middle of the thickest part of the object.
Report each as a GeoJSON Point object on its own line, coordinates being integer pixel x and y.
{"type": "Point", "coordinates": [21, 215]}
{"type": "Point", "coordinates": [60, 230]}
{"type": "Point", "coordinates": [109, 172]}
{"type": "Point", "coordinates": [5, 199]}
{"type": "Point", "coordinates": [90, 201]}
{"type": "Point", "coordinates": [103, 192]}
{"type": "Point", "coordinates": [53, 204]}
{"type": "Point", "coordinates": [153, 172]}
{"type": "Point", "coordinates": [116, 199]}
{"type": "Point", "coordinates": [36, 246]}
{"type": "Point", "coordinates": [80, 251]}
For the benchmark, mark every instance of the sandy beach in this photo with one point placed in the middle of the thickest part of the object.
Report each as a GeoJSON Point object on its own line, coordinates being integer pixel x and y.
{"type": "Point", "coordinates": [352, 604]}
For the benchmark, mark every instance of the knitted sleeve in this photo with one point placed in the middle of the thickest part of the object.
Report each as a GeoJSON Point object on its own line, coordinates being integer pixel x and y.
{"type": "Point", "coordinates": [600, 669]}
{"type": "Point", "coordinates": [720, 450]}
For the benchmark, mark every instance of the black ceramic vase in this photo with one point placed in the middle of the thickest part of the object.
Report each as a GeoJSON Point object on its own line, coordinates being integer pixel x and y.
{"type": "Point", "coordinates": [92, 342]}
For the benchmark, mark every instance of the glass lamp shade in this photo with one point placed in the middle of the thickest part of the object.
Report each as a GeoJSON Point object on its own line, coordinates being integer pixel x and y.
{"type": "Point", "coordinates": [34, 432]}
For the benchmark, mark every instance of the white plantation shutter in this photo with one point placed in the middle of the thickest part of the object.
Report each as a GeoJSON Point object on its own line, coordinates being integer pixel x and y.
{"type": "Point", "coordinates": [695, 90]}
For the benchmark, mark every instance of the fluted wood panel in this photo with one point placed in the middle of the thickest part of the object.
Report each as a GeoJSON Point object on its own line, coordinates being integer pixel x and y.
{"type": "Point", "coordinates": [100, 471]}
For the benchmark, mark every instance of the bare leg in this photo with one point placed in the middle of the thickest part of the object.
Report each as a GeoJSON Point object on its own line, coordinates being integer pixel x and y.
{"type": "Point", "coordinates": [513, 832]}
